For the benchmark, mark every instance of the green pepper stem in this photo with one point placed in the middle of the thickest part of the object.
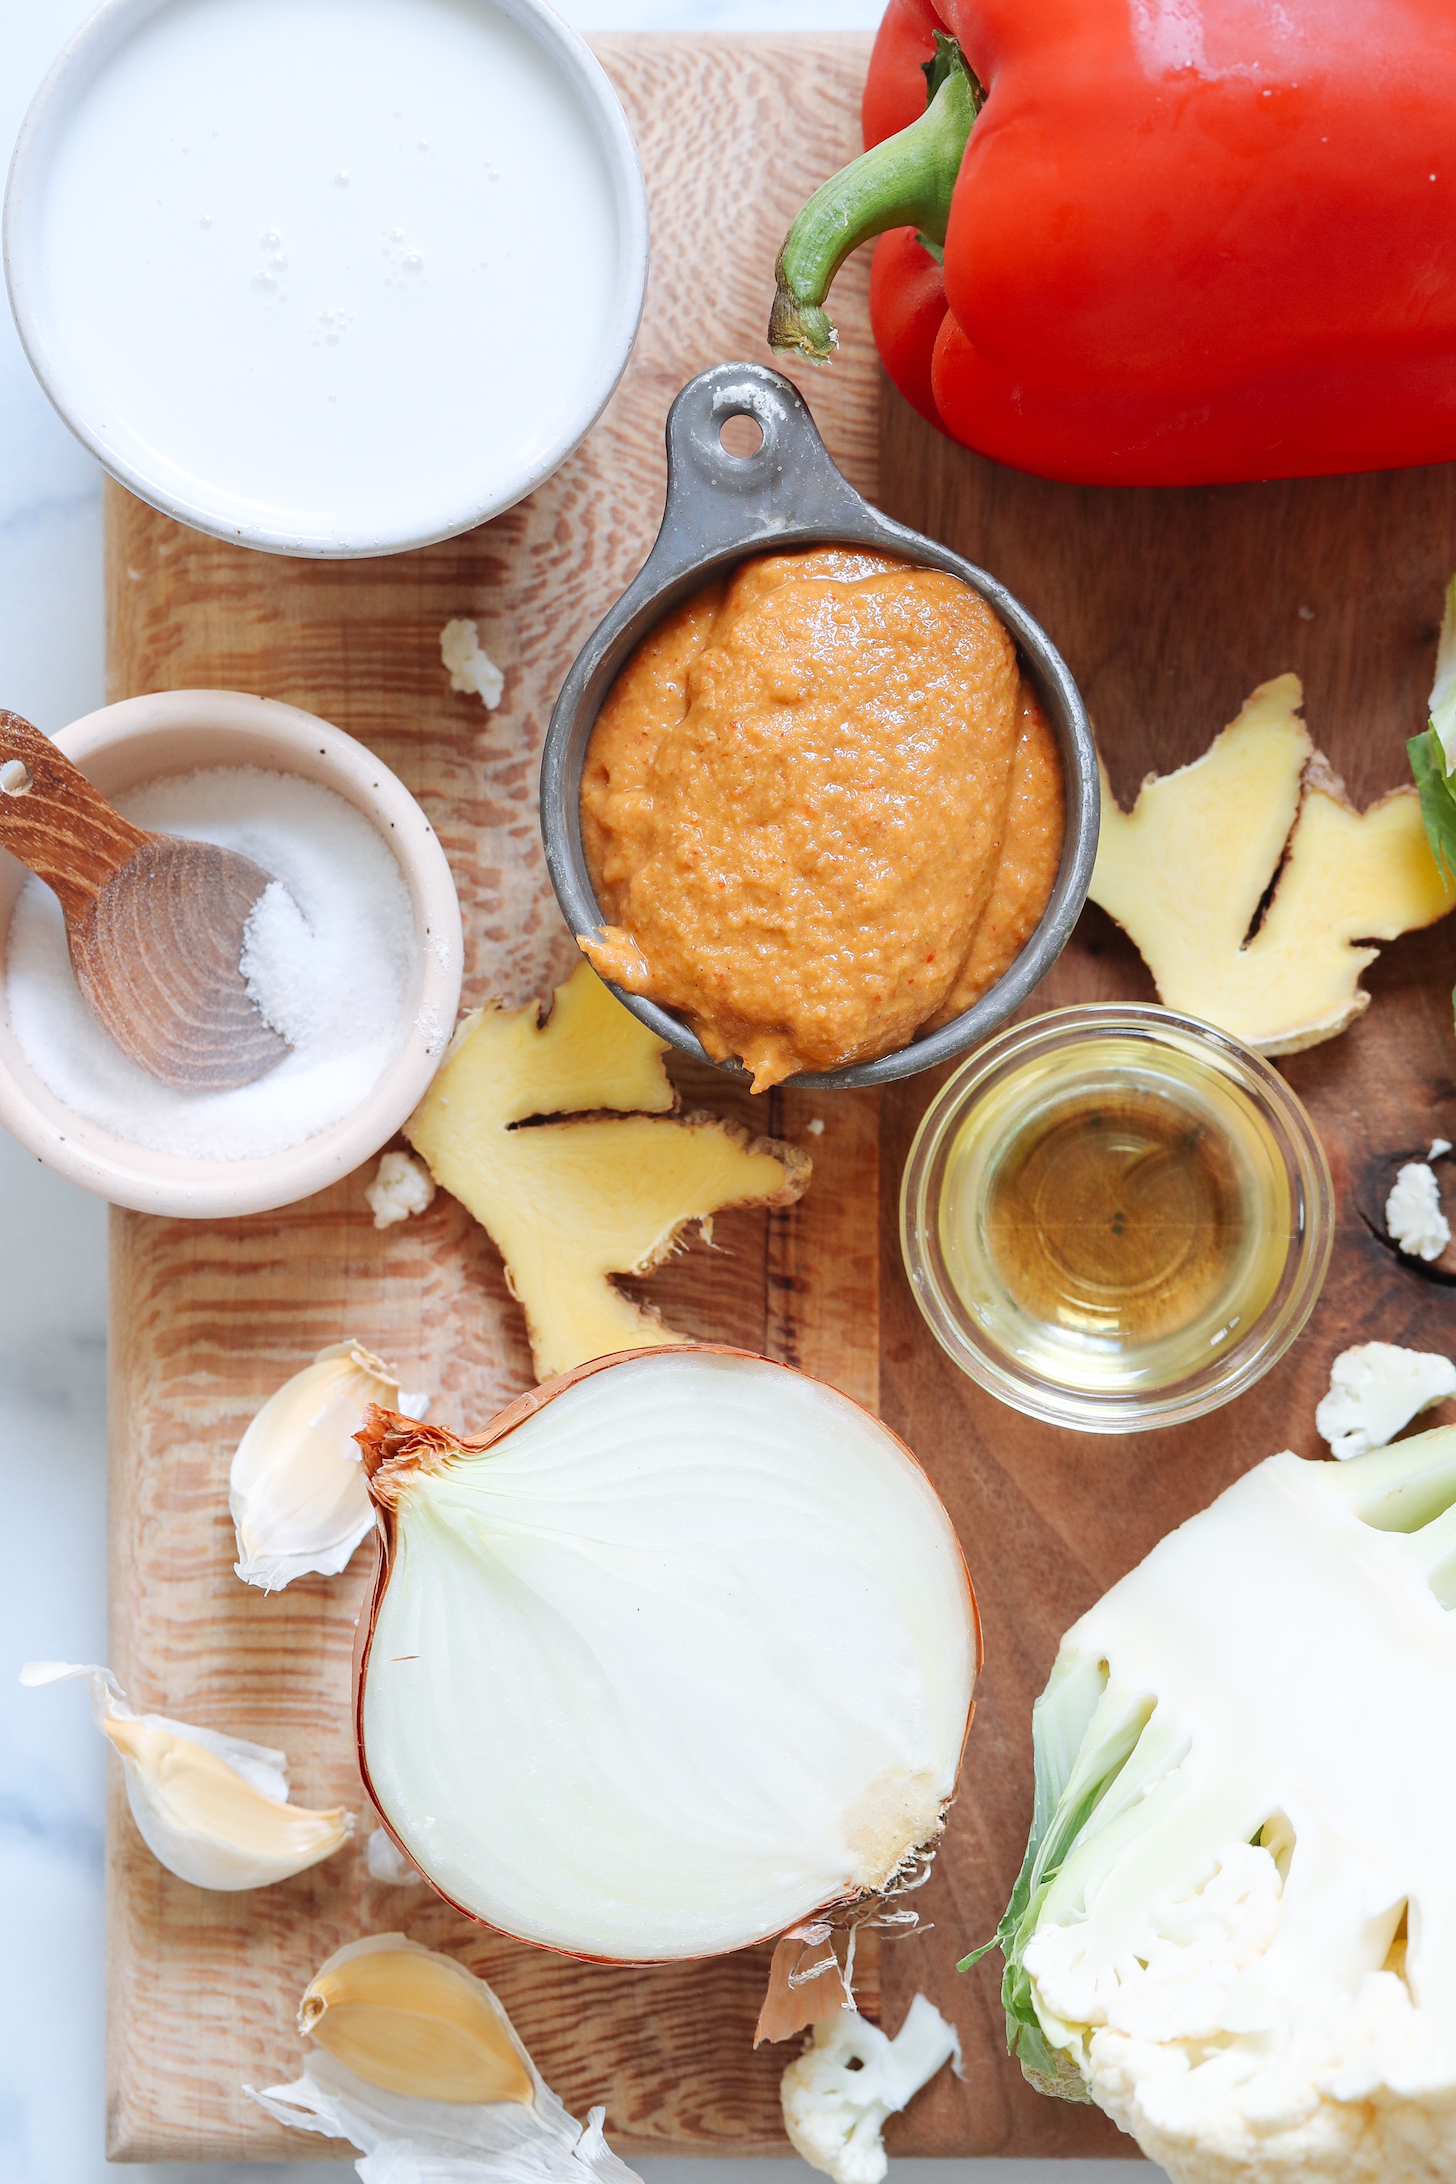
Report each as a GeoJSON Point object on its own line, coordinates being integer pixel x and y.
{"type": "Point", "coordinates": [906, 181]}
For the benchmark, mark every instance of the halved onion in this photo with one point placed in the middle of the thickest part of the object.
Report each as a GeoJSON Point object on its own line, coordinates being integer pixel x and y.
{"type": "Point", "coordinates": [678, 1651]}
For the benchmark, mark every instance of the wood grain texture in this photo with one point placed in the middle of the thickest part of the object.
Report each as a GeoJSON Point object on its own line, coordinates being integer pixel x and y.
{"type": "Point", "coordinates": [1169, 607]}
{"type": "Point", "coordinates": [208, 1318]}
{"type": "Point", "coordinates": [56, 823]}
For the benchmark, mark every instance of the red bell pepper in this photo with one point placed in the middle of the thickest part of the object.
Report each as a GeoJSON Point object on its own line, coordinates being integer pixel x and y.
{"type": "Point", "coordinates": [1183, 241]}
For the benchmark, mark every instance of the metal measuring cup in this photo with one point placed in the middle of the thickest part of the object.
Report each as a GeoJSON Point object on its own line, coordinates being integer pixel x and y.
{"type": "Point", "coordinates": [721, 509]}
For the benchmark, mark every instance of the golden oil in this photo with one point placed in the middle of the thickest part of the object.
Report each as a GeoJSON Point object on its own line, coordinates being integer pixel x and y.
{"type": "Point", "coordinates": [1114, 1220]}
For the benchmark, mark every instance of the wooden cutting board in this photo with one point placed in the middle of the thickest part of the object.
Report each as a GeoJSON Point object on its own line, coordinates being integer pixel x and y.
{"type": "Point", "coordinates": [1170, 607]}
{"type": "Point", "coordinates": [208, 1318]}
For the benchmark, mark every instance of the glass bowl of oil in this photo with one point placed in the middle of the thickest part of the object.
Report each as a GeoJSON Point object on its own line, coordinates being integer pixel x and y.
{"type": "Point", "coordinates": [1116, 1217]}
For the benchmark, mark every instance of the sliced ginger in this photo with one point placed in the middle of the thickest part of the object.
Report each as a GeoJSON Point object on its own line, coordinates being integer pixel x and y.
{"type": "Point", "coordinates": [1185, 871]}
{"type": "Point", "coordinates": [572, 1201]}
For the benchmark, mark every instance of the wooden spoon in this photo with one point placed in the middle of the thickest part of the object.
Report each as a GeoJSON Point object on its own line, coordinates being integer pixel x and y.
{"type": "Point", "coordinates": [154, 923]}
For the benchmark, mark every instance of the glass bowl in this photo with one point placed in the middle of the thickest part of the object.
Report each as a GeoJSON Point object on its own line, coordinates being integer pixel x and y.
{"type": "Point", "coordinates": [1116, 1217]}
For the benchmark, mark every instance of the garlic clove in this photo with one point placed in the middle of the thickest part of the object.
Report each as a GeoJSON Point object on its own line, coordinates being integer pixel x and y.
{"type": "Point", "coordinates": [525, 2137]}
{"type": "Point", "coordinates": [218, 1831]}
{"type": "Point", "coordinates": [296, 1491]}
{"type": "Point", "coordinates": [212, 1809]}
{"type": "Point", "coordinates": [414, 2022]}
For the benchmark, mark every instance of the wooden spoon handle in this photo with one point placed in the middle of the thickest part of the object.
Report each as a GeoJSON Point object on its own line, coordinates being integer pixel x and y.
{"type": "Point", "coordinates": [55, 822]}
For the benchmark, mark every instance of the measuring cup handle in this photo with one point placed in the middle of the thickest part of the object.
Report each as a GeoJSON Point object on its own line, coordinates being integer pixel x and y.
{"type": "Point", "coordinates": [55, 822]}
{"type": "Point", "coordinates": [715, 498]}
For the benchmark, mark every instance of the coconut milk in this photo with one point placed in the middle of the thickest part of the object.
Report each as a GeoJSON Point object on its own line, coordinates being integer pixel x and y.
{"type": "Point", "coordinates": [328, 257]}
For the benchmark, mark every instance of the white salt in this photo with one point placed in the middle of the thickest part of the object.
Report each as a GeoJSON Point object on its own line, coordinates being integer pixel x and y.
{"type": "Point", "coordinates": [327, 956]}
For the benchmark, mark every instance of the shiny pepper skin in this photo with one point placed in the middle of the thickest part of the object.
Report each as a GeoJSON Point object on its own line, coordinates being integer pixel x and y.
{"type": "Point", "coordinates": [1191, 240]}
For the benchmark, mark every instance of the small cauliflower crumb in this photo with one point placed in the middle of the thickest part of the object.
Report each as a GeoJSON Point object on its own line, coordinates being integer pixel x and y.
{"type": "Point", "coordinates": [402, 1186]}
{"type": "Point", "coordinates": [470, 667]}
{"type": "Point", "coordinates": [1375, 1390]}
{"type": "Point", "coordinates": [1438, 1146]}
{"type": "Point", "coordinates": [1413, 1212]}
{"type": "Point", "coordinates": [816, 1127]}
{"type": "Point", "coordinates": [387, 1862]}
{"type": "Point", "coordinates": [850, 2077]}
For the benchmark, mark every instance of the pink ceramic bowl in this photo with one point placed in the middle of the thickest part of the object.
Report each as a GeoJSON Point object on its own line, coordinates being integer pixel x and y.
{"type": "Point", "coordinates": [179, 731]}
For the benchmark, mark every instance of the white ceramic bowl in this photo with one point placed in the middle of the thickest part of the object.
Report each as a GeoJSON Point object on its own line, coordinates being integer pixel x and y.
{"type": "Point", "coordinates": [178, 731]}
{"type": "Point", "coordinates": [327, 277]}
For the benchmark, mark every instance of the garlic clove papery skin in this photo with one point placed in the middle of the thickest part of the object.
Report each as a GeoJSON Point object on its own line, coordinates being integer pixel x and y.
{"type": "Point", "coordinates": [414, 2021]}
{"type": "Point", "coordinates": [296, 1493]}
{"type": "Point", "coordinates": [411, 2139]}
{"type": "Point", "coordinates": [212, 1809]}
{"type": "Point", "coordinates": [679, 1652]}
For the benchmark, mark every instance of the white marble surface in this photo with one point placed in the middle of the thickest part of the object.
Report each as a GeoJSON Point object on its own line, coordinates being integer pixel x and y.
{"type": "Point", "coordinates": [53, 1325]}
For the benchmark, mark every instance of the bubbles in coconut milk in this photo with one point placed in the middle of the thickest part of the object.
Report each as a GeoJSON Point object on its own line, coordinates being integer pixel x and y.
{"type": "Point", "coordinates": [268, 279]}
{"type": "Point", "coordinates": [306, 198]}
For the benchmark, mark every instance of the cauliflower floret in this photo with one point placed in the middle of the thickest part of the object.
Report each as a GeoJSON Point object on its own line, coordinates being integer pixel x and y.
{"type": "Point", "coordinates": [1173, 1982]}
{"type": "Point", "coordinates": [1351, 2094]}
{"type": "Point", "coordinates": [401, 1186]}
{"type": "Point", "coordinates": [850, 2077]}
{"type": "Point", "coordinates": [470, 667]}
{"type": "Point", "coordinates": [387, 1862]}
{"type": "Point", "coordinates": [1187, 2051]}
{"type": "Point", "coordinates": [1413, 1212]}
{"type": "Point", "coordinates": [1375, 1390]}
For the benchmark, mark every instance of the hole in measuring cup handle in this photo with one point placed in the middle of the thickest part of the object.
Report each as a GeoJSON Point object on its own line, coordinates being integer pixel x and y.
{"type": "Point", "coordinates": [740, 436]}
{"type": "Point", "coordinates": [15, 778]}
{"type": "Point", "coordinates": [721, 496]}
{"type": "Point", "coordinates": [731, 431]}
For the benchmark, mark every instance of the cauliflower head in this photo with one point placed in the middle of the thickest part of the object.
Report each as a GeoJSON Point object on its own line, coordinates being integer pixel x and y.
{"type": "Point", "coordinates": [1235, 1927]}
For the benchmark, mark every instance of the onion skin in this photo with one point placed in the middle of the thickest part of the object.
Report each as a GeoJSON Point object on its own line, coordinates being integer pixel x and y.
{"type": "Point", "coordinates": [785, 2009]}
{"type": "Point", "coordinates": [392, 1447]}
